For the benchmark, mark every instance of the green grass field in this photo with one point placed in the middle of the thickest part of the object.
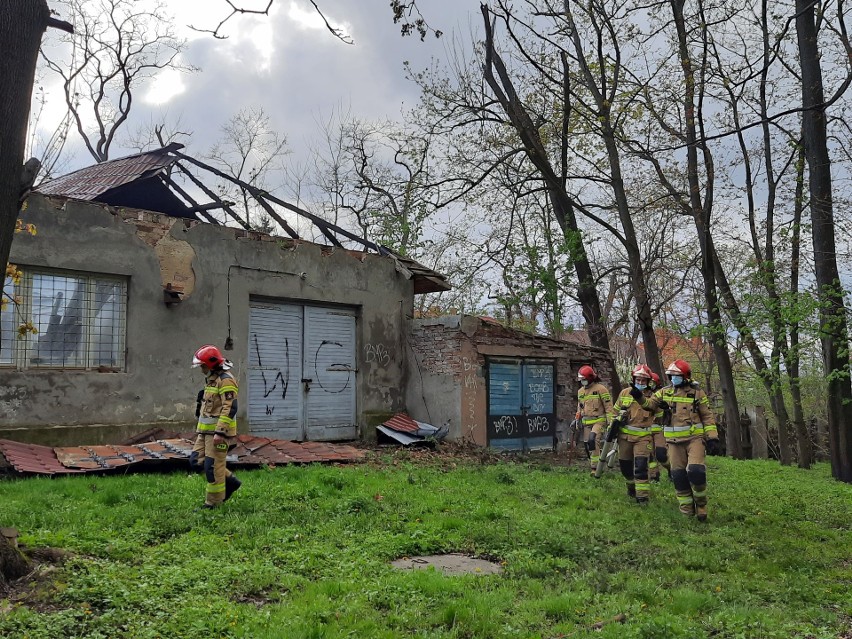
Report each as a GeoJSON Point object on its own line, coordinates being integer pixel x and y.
{"type": "Point", "coordinates": [305, 552]}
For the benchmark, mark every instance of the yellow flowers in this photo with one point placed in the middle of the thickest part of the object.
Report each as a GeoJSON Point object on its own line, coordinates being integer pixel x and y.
{"type": "Point", "coordinates": [14, 272]}
{"type": "Point", "coordinates": [20, 227]}
{"type": "Point", "coordinates": [26, 327]}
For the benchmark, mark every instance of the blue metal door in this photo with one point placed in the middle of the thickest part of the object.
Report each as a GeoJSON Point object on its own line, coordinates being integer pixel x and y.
{"type": "Point", "coordinates": [521, 404]}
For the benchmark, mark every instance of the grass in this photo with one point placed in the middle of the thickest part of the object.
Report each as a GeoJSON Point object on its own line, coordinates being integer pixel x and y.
{"type": "Point", "coordinates": [305, 552]}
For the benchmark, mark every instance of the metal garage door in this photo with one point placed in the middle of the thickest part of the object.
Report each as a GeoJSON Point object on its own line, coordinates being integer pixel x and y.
{"type": "Point", "coordinates": [521, 404]}
{"type": "Point", "coordinates": [301, 372]}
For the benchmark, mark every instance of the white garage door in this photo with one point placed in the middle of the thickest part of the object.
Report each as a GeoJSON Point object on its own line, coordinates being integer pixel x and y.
{"type": "Point", "coordinates": [301, 372]}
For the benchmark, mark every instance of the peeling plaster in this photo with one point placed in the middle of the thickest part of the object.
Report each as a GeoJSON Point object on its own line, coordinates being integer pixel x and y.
{"type": "Point", "coordinates": [175, 256]}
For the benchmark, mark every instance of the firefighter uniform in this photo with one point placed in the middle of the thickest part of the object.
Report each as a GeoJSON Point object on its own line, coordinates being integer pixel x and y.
{"type": "Point", "coordinates": [660, 456]}
{"type": "Point", "coordinates": [635, 443]}
{"type": "Point", "coordinates": [217, 416]}
{"type": "Point", "coordinates": [594, 404]}
{"type": "Point", "coordinates": [691, 423]}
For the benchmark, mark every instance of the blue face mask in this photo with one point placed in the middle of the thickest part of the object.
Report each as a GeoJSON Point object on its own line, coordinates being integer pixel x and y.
{"type": "Point", "coordinates": [640, 386]}
{"type": "Point", "coordinates": [677, 380]}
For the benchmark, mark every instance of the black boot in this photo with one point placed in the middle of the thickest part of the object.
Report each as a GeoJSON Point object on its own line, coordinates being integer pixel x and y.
{"type": "Point", "coordinates": [631, 491]}
{"type": "Point", "coordinates": [232, 485]}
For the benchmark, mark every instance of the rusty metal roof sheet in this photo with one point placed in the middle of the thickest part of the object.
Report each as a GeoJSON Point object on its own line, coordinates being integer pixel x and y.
{"type": "Point", "coordinates": [93, 181]}
{"type": "Point", "coordinates": [402, 422]}
{"type": "Point", "coordinates": [31, 458]}
{"type": "Point", "coordinates": [249, 451]}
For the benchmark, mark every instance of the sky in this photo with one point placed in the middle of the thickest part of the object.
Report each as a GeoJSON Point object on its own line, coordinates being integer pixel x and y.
{"type": "Point", "coordinates": [286, 63]}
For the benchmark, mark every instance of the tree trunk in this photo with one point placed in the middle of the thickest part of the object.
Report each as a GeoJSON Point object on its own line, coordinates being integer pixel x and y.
{"type": "Point", "coordinates": [803, 440]}
{"type": "Point", "coordinates": [22, 23]}
{"type": "Point", "coordinates": [563, 206]}
{"type": "Point", "coordinates": [834, 330]}
{"type": "Point", "coordinates": [701, 215]}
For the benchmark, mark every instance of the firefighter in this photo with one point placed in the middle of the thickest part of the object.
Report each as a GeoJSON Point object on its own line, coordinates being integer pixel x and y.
{"type": "Point", "coordinates": [660, 456]}
{"type": "Point", "coordinates": [690, 433]}
{"type": "Point", "coordinates": [217, 425]}
{"type": "Point", "coordinates": [594, 404]}
{"type": "Point", "coordinates": [635, 439]}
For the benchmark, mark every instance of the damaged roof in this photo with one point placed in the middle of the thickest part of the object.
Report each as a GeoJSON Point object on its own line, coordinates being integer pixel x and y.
{"type": "Point", "coordinates": [94, 181]}
{"type": "Point", "coordinates": [32, 459]}
{"type": "Point", "coordinates": [146, 181]}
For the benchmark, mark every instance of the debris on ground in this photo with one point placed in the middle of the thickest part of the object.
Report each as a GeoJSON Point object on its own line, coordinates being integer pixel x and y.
{"type": "Point", "coordinates": [402, 429]}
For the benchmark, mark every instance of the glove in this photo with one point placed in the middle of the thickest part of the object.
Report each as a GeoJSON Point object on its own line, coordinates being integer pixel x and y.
{"type": "Point", "coordinates": [636, 394]}
{"type": "Point", "coordinates": [712, 447]}
{"type": "Point", "coordinates": [662, 405]}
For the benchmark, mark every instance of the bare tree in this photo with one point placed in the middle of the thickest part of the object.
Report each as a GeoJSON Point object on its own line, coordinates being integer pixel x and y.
{"type": "Point", "coordinates": [252, 152]}
{"type": "Point", "coordinates": [114, 49]}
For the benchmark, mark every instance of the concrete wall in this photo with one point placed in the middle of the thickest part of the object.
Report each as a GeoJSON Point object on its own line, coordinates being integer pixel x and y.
{"type": "Point", "coordinates": [448, 380]}
{"type": "Point", "coordinates": [220, 269]}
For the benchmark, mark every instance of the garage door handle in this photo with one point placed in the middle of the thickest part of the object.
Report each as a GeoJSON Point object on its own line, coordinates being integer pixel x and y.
{"type": "Point", "coordinates": [307, 382]}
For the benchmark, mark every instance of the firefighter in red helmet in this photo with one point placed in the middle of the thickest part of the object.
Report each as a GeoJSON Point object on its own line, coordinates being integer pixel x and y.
{"type": "Point", "coordinates": [690, 434]}
{"type": "Point", "coordinates": [217, 425]}
{"type": "Point", "coordinates": [660, 456]}
{"type": "Point", "coordinates": [594, 404]}
{"type": "Point", "coordinates": [635, 438]}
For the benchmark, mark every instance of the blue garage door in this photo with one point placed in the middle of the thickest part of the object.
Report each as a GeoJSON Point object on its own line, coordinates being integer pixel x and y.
{"type": "Point", "coordinates": [521, 404]}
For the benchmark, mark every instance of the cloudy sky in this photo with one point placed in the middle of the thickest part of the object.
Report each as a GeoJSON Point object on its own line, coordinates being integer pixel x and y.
{"type": "Point", "coordinates": [288, 64]}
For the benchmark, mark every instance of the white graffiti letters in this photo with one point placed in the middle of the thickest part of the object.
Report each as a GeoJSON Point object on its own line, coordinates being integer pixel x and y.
{"type": "Point", "coordinates": [505, 424]}
{"type": "Point", "coordinates": [377, 353]}
{"type": "Point", "coordinates": [538, 424]}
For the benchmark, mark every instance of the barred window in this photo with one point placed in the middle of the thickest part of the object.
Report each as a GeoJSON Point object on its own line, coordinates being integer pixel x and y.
{"type": "Point", "coordinates": [80, 319]}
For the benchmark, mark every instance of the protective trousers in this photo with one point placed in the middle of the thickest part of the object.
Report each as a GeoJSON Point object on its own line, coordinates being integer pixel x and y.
{"type": "Point", "coordinates": [659, 458]}
{"type": "Point", "coordinates": [213, 465]}
{"type": "Point", "coordinates": [633, 458]}
{"type": "Point", "coordinates": [592, 436]}
{"type": "Point", "coordinates": [689, 475]}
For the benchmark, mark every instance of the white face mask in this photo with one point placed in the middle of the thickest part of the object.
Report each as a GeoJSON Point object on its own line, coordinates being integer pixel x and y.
{"type": "Point", "coordinates": [677, 380]}
{"type": "Point", "coordinates": [639, 386]}
{"type": "Point", "coordinates": [584, 382]}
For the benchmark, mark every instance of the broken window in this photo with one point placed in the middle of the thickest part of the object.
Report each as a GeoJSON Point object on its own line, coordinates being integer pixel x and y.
{"type": "Point", "coordinates": [79, 320]}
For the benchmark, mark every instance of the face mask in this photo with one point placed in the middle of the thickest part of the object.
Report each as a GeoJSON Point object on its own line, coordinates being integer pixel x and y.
{"type": "Point", "coordinates": [584, 382]}
{"type": "Point", "coordinates": [677, 380]}
{"type": "Point", "coordinates": [638, 386]}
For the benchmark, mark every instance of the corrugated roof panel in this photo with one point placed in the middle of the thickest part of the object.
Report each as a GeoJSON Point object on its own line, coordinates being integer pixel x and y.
{"type": "Point", "coordinates": [93, 181]}
{"type": "Point", "coordinates": [402, 422]}
{"type": "Point", "coordinates": [249, 451]}
{"type": "Point", "coordinates": [31, 458]}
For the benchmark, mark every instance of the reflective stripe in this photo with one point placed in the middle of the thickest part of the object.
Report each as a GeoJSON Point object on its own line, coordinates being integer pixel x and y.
{"type": "Point", "coordinates": [683, 500]}
{"type": "Point", "coordinates": [227, 420]}
{"type": "Point", "coordinates": [225, 389]}
{"type": "Point", "coordinates": [216, 488]}
{"type": "Point", "coordinates": [211, 389]}
{"type": "Point", "coordinates": [699, 493]}
{"type": "Point", "coordinates": [683, 431]}
{"type": "Point", "coordinates": [636, 431]}
{"type": "Point", "coordinates": [205, 428]}
{"type": "Point", "coordinates": [643, 487]}
{"type": "Point", "coordinates": [592, 420]}
{"type": "Point", "coordinates": [207, 420]}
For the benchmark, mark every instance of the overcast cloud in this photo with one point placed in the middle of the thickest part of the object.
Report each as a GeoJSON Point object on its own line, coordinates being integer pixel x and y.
{"type": "Point", "coordinates": [288, 64]}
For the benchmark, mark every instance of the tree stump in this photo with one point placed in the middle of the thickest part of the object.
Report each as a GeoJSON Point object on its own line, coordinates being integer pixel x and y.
{"type": "Point", "coordinates": [13, 564]}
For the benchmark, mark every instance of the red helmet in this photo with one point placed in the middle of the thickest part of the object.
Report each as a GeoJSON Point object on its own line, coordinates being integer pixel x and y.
{"type": "Point", "coordinates": [209, 356]}
{"type": "Point", "coordinates": [656, 379]}
{"type": "Point", "coordinates": [679, 367]}
{"type": "Point", "coordinates": [587, 372]}
{"type": "Point", "coordinates": [641, 371]}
